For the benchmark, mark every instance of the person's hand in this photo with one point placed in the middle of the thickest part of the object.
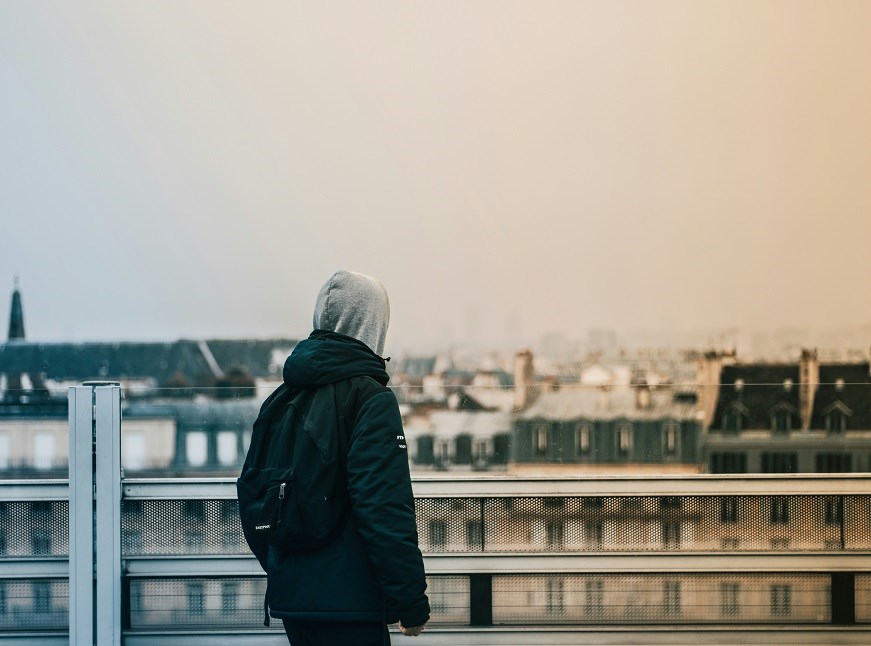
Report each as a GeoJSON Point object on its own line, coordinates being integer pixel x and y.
{"type": "Point", "coordinates": [411, 631]}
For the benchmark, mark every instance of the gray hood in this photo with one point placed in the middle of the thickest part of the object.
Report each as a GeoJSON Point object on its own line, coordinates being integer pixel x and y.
{"type": "Point", "coordinates": [355, 305]}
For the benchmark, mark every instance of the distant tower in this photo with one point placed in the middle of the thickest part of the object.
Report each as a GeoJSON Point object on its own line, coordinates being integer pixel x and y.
{"type": "Point", "coordinates": [16, 316]}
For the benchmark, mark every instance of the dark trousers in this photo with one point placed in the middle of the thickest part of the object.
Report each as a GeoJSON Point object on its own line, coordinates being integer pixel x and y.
{"type": "Point", "coordinates": [337, 633]}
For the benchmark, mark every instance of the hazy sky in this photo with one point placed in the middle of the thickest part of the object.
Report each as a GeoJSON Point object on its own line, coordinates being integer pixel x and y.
{"type": "Point", "coordinates": [174, 169]}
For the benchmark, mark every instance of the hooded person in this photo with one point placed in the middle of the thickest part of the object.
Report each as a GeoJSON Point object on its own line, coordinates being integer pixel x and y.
{"type": "Point", "coordinates": [372, 573]}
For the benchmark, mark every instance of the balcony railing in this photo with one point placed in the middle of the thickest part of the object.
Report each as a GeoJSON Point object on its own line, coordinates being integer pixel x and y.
{"type": "Point", "coordinates": [783, 559]}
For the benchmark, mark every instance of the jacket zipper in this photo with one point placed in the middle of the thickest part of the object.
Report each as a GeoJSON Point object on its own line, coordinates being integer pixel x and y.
{"type": "Point", "coordinates": [280, 503]}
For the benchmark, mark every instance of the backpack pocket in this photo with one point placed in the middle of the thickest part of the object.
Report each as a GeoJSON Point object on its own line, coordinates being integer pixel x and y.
{"type": "Point", "coordinates": [267, 506]}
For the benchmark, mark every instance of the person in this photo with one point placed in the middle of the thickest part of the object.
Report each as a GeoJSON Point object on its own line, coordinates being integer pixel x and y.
{"type": "Point", "coordinates": [372, 574]}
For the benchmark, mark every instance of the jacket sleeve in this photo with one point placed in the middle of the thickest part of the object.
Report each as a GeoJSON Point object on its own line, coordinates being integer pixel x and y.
{"type": "Point", "coordinates": [383, 506]}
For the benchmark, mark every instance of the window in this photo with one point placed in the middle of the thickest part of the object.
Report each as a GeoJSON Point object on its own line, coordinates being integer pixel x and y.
{"type": "Point", "coordinates": [131, 541]}
{"type": "Point", "coordinates": [728, 462]}
{"type": "Point", "coordinates": [554, 502]}
{"type": "Point", "coordinates": [779, 462]}
{"type": "Point", "coordinates": [671, 598]}
{"type": "Point", "coordinates": [582, 439]}
{"type": "Point", "coordinates": [4, 451]}
{"type": "Point", "coordinates": [479, 452]}
{"type": "Point", "coordinates": [4, 607]}
{"type": "Point", "coordinates": [732, 421]}
{"type": "Point", "coordinates": [229, 510]}
{"type": "Point", "coordinates": [2, 541]}
{"type": "Point", "coordinates": [554, 587]}
{"type": "Point", "coordinates": [463, 449]}
{"type": "Point", "coordinates": [834, 462]}
{"type": "Point", "coordinates": [43, 450]}
{"type": "Point", "coordinates": [501, 448]}
{"type": "Point", "coordinates": [781, 600]}
{"type": "Point", "coordinates": [779, 511]}
{"type": "Point", "coordinates": [196, 448]}
{"type": "Point", "coordinates": [40, 510]}
{"type": "Point", "coordinates": [541, 440]}
{"type": "Point", "coordinates": [669, 503]}
{"type": "Point", "coordinates": [438, 533]}
{"type": "Point", "coordinates": [194, 541]}
{"type": "Point", "coordinates": [624, 441]}
{"type": "Point", "coordinates": [229, 596]}
{"type": "Point", "coordinates": [228, 451]}
{"type": "Point", "coordinates": [443, 453]}
{"type": "Point", "coordinates": [729, 599]}
{"type": "Point", "coordinates": [438, 589]}
{"type": "Point", "coordinates": [593, 535]}
{"type": "Point", "coordinates": [671, 535]}
{"type": "Point", "coordinates": [137, 607]}
{"type": "Point", "coordinates": [133, 451]}
{"type": "Point", "coordinates": [231, 539]}
{"type": "Point", "coordinates": [40, 540]}
{"type": "Point", "coordinates": [474, 534]}
{"type": "Point", "coordinates": [195, 598]}
{"type": "Point", "coordinates": [594, 502]}
{"type": "Point", "coordinates": [729, 510]}
{"type": "Point", "coordinates": [555, 534]}
{"type": "Point", "coordinates": [41, 596]}
{"type": "Point", "coordinates": [132, 508]}
{"type": "Point", "coordinates": [781, 421]}
{"type": "Point", "coordinates": [194, 510]}
{"type": "Point", "coordinates": [833, 511]}
{"type": "Point", "coordinates": [670, 439]}
{"type": "Point", "coordinates": [836, 422]}
{"type": "Point", "coordinates": [425, 452]}
{"type": "Point", "coordinates": [593, 597]}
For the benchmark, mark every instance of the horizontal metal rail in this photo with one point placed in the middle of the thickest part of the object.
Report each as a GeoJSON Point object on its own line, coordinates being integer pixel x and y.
{"type": "Point", "coordinates": [509, 486]}
{"type": "Point", "coordinates": [537, 563]}
{"type": "Point", "coordinates": [580, 636]}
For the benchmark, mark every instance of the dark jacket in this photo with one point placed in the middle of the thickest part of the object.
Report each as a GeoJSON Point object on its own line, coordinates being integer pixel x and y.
{"type": "Point", "coordinates": [374, 570]}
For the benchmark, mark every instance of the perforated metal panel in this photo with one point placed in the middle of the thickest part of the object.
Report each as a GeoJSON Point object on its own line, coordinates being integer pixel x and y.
{"type": "Point", "coordinates": [37, 528]}
{"type": "Point", "coordinates": [237, 602]}
{"type": "Point", "coordinates": [34, 604]}
{"type": "Point", "coordinates": [449, 600]}
{"type": "Point", "coordinates": [661, 599]}
{"type": "Point", "coordinates": [178, 604]}
{"type": "Point", "coordinates": [652, 523]}
{"type": "Point", "coordinates": [863, 598]}
{"type": "Point", "coordinates": [181, 527]}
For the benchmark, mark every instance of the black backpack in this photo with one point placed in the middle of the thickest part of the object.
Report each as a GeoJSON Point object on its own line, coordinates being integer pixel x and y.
{"type": "Point", "coordinates": [293, 487]}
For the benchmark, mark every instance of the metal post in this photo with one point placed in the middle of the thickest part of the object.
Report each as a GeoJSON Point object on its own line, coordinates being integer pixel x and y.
{"type": "Point", "coordinates": [81, 512]}
{"type": "Point", "coordinates": [95, 514]}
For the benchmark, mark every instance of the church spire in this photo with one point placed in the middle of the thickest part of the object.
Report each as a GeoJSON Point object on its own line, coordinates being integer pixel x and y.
{"type": "Point", "coordinates": [16, 315]}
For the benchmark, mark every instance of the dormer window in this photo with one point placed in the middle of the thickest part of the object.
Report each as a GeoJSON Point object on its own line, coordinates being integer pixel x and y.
{"type": "Point", "coordinates": [781, 421]}
{"type": "Point", "coordinates": [541, 439]}
{"type": "Point", "coordinates": [582, 439]}
{"type": "Point", "coordinates": [624, 440]}
{"type": "Point", "coordinates": [732, 421]}
{"type": "Point", "coordinates": [836, 422]}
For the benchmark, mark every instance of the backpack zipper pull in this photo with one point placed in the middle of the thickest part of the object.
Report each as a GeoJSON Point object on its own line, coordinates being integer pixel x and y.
{"type": "Point", "coordinates": [281, 491]}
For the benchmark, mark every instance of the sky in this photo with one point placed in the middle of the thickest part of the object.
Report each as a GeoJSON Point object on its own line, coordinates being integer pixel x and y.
{"type": "Point", "coordinates": [507, 169]}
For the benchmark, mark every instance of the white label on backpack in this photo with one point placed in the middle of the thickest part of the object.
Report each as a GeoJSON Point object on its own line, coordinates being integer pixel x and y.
{"type": "Point", "coordinates": [262, 526]}
{"type": "Point", "coordinates": [401, 437]}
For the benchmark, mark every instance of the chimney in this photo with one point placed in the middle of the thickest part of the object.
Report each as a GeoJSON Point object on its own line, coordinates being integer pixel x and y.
{"type": "Point", "coordinates": [709, 366]}
{"type": "Point", "coordinates": [642, 396]}
{"type": "Point", "coordinates": [16, 316]}
{"type": "Point", "coordinates": [809, 380]}
{"type": "Point", "coordinates": [524, 378]}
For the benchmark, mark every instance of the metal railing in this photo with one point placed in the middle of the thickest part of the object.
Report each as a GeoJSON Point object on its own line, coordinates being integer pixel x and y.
{"type": "Point", "coordinates": [658, 559]}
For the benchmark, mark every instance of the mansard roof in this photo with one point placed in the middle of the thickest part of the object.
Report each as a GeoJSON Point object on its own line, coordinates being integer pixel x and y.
{"type": "Point", "coordinates": [758, 390]}
{"type": "Point", "coordinates": [849, 384]}
{"type": "Point", "coordinates": [592, 403]}
{"type": "Point", "coordinates": [157, 361]}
